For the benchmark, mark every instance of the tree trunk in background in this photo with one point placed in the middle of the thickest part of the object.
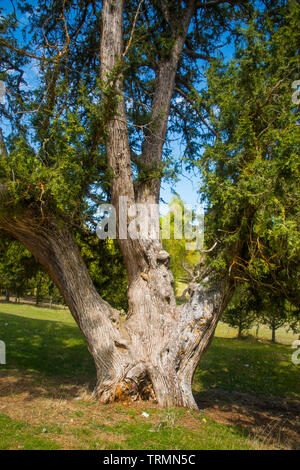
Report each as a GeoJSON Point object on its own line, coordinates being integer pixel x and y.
{"type": "Point", "coordinates": [37, 298]}
{"type": "Point", "coordinates": [7, 295]}
{"type": "Point", "coordinates": [273, 334]}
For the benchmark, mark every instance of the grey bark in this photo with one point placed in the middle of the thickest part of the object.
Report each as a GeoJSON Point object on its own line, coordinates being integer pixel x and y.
{"type": "Point", "coordinates": [154, 353]}
{"type": "Point", "coordinates": [273, 328]}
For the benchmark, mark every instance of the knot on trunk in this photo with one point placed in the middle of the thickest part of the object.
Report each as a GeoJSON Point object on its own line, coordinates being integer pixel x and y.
{"type": "Point", "coordinates": [163, 257]}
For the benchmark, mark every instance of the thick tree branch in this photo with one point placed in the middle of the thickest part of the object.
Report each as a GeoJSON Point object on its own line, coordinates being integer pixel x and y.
{"type": "Point", "coordinates": [117, 145]}
{"type": "Point", "coordinates": [164, 86]}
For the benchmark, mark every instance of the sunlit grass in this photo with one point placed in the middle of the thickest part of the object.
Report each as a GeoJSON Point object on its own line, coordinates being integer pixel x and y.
{"type": "Point", "coordinates": [47, 348]}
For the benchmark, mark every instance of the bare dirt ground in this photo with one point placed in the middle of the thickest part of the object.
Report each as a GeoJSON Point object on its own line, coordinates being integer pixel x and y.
{"type": "Point", "coordinates": [274, 421]}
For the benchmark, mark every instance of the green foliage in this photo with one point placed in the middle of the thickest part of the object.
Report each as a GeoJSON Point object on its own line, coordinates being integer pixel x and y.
{"type": "Point", "coordinates": [17, 266]}
{"type": "Point", "coordinates": [262, 307]}
{"type": "Point", "coordinates": [106, 267]}
{"type": "Point", "coordinates": [251, 167]}
{"type": "Point", "coordinates": [275, 312]}
{"type": "Point", "coordinates": [177, 248]}
{"type": "Point", "coordinates": [21, 275]}
{"type": "Point", "coordinates": [59, 157]}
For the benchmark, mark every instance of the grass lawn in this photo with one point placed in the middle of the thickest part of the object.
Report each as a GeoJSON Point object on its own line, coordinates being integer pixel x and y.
{"type": "Point", "coordinates": [45, 390]}
{"type": "Point", "coordinates": [251, 365]}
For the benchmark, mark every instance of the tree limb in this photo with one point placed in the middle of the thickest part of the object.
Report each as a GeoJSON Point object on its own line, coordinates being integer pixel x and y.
{"type": "Point", "coordinates": [192, 103]}
{"type": "Point", "coordinates": [164, 86]}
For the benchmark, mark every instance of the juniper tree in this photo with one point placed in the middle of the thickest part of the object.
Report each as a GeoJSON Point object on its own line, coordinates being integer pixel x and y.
{"type": "Point", "coordinates": [93, 130]}
{"type": "Point", "coordinates": [17, 266]}
{"type": "Point", "coordinates": [251, 168]}
{"type": "Point", "coordinates": [241, 313]}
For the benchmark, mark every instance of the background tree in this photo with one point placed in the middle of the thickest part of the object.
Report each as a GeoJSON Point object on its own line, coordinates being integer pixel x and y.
{"type": "Point", "coordinates": [21, 275]}
{"type": "Point", "coordinates": [106, 268]}
{"type": "Point", "coordinates": [17, 266]}
{"type": "Point", "coordinates": [260, 306]}
{"type": "Point", "coordinates": [276, 312]}
{"type": "Point", "coordinates": [241, 313]}
{"type": "Point", "coordinates": [275, 316]}
{"type": "Point", "coordinates": [251, 166]}
{"type": "Point", "coordinates": [182, 256]}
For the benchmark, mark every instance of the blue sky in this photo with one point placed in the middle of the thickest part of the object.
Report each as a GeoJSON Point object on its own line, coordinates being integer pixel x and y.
{"type": "Point", "coordinates": [187, 185]}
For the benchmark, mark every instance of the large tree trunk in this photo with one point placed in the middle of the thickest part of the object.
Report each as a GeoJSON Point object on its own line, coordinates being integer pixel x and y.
{"type": "Point", "coordinates": [166, 342]}
{"type": "Point", "coordinates": [171, 340]}
{"type": "Point", "coordinates": [153, 353]}
{"type": "Point", "coordinates": [156, 350]}
{"type": "Point", "coordinates": [53, 245]}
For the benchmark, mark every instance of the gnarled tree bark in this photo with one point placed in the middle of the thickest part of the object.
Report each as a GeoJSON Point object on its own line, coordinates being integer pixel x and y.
{"type": "Point", "coordinates": [156, 350]}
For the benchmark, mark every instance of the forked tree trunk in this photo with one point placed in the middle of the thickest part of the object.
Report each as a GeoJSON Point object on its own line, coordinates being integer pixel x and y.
{"type": "Point", "coordinates": [153, 353]}
{"type": "Point", "coordinates": [156, 350]}
{"type": "Point", "coordinates": [171, 340]}
{"type": "Point", "coordinates": [166, 342]}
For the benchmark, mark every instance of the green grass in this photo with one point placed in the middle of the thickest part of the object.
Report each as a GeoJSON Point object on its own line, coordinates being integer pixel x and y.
{"type": "Point", "coordinates": [162, 431]}
{"type": "Point", "coordinates": [283, 335]}
{"type": "Point", "coordinates": [49, 342]}
{"type": "Point", "coordinates": [250, 367]}
{"type": "Point", "coordinates": [20, 435]}
{"type": "Point", "coordinates": [44, 341]}
{"type": "Point", "coordinates": [163, 436]}
{"type": "Point", "coordinates": [47, 346]}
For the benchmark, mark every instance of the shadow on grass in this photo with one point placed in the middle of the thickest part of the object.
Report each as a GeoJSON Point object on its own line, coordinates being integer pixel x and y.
{"type": "Point", "coordinates": [248, 366]}
{"type": "Point", "coordinates": [56, 349]}
{"type": "Point", "coordinates": [49, 348]}
{"type": "Point", "coordinates": [253, 386]}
